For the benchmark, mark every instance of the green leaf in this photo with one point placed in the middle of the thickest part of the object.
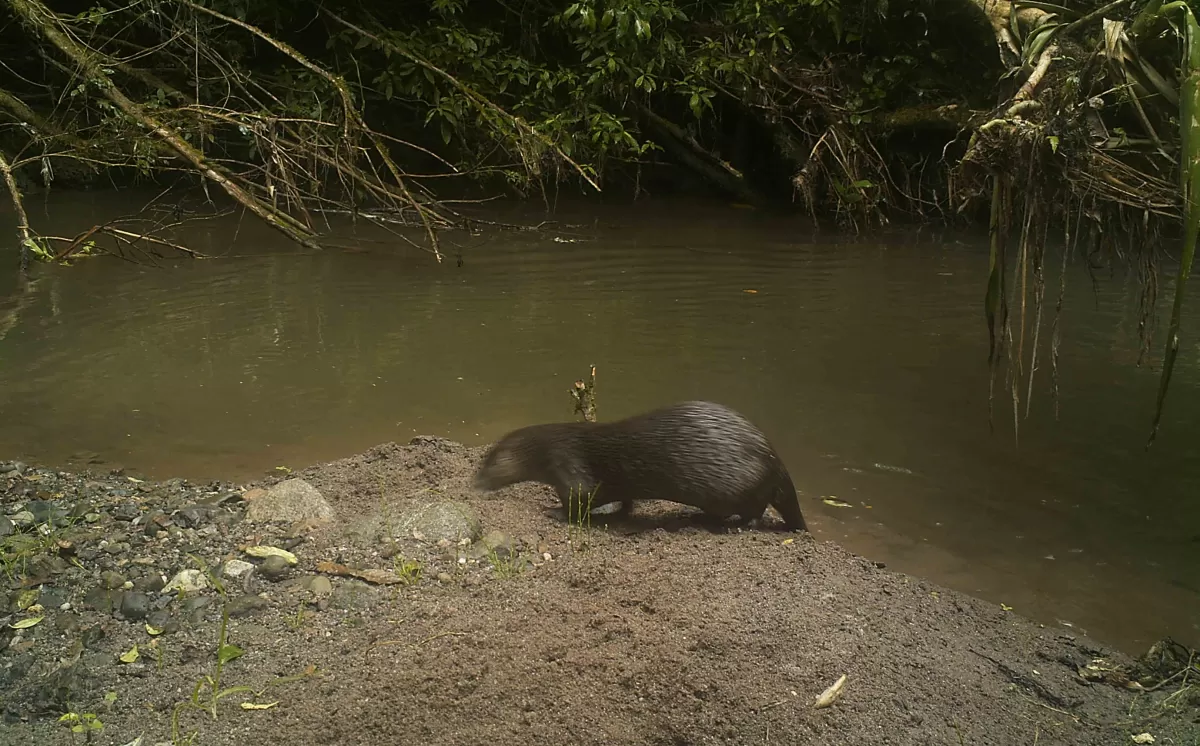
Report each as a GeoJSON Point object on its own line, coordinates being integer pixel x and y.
{"type": "Point", "coordinates": [226, 653]}
{"type": "Point", "coordinates": [27, 623]}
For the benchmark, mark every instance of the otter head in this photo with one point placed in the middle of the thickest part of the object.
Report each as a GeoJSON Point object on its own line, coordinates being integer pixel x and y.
{"type": "Point", "coordinates": [502, 465]}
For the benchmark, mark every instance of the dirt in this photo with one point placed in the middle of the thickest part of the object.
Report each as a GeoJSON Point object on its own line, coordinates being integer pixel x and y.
{"type": "Point", "coordinates": [660, 629]}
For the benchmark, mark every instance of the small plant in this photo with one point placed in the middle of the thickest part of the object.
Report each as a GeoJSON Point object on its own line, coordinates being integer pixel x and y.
{"type": "Point", "coordinates": [507, 566]}
{"type": "Point", "coordinates": [579, 516]}
{"type": "Point", "coordinates": [409, 570]}
{"type": "Point", "coordinates": [156, 649]}
{"type": "Point", "coordinates": [86, 724]}
{"type": "Point", "coordinates": [296, 621]}
{"type": "Point", "coordinates": [208, 700]}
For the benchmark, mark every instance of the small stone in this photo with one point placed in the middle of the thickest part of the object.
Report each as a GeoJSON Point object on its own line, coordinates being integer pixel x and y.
{"type": "Point", "coordinates": [104, 600]}
{"type": "Point", "coordinates": [126, 511]}
{"type": "Point", "coordinates": [162, 621]}
{"type": "Point", "coordinates": [354, 595]}
{"type": "Point", "coordinates": [237, 568]}
{"type": "Point", "coordinates": [117, 547]}
{"type": "Point", "coordinates": [194, 515]}
{"type": "Point", "coordinates": [445, 577]}
{"type": "Point", "coordinates": [111, 580]}
{"type": "Point", "coordinates": [151, 583]}
{"type": "Point", "coordinates": [193, 608]}
{"type": "Point", "coordinates": [498, 540]}
{"type": "Point", "coordinates": [320, 586]}
{"type": "Point", "coordinates": [6, 526]}
{"type": "Point", "coordinates": [135, 605]}
{"type": "Point", "coordinates": [246, 605]}
{"type": "Point", "coordinates": [274, 567]}
{"type": "Point", "coordinates": [187, 581]}
{"type": "Point", "coordinates": [66, 623]}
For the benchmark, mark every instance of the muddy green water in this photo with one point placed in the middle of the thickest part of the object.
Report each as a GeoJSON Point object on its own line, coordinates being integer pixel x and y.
{"type": "Point", "coordinates": [863, 359]}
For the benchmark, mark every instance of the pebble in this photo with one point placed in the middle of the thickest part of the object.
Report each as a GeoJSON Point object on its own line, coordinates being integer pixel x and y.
{"type": "Point", "coordinates": [274, 567]}
{"type": "Point", "coordinates": [236, 568]}
{"type": "Point", "coordinates": [6, 526]}
{"type": "Point", "coordinates": [111, 580]}
{"type": "Point", "coordinates": [135, 605]}
{"type": "Point", "coordinates": [125, 511]}
{"type": "Point", "coordinates": [194, 515]}
{"type": "Point", "coordinates": [187, 581]}
{"type": "Point", "coordinates": [246, 605]}
{"type": "Point", "coordinates": [152, 583]}
{"type": "Point", "coordinates": [161, 620]}
{"type": "Point", "coordinates": [320, 586]}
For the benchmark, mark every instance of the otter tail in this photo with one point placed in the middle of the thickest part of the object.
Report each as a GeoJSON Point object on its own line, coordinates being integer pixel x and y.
{"type": "Point", "coordinates": [786, 501]}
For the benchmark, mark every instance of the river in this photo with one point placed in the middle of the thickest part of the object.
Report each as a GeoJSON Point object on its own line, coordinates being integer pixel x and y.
{"type": "Point", "coordinates": [863, 358]}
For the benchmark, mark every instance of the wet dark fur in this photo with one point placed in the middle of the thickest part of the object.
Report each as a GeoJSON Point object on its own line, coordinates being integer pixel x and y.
{"type": "Point", "coordinates": [695, 453]}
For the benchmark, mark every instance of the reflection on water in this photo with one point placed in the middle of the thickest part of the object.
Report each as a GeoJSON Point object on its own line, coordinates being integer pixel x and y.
{"type": "Point", "coordinates": [864, 360]}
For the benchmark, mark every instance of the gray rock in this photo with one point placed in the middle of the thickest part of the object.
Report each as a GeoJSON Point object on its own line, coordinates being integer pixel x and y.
{"type": "Point", "coordinates": [446, 519]}
{"type": "Point", "coordinates": [66, 623]}
{"type": "Point", "coordinates": [45, 566]}
{"type": "Point", "coordinates": [246, 605]}
{"type": "Point", "coordinates": [126, 511]}
{"type": "Point", "coordinates": [111, 580]}
{"type": "Point", "coordinates": [161, 620]}
{"type": "Point", "coordinates": [135, 605]}
{"type": "Point", "coordinates": [22, 518]}
{"type": "Point", "coordinates": [188, 582]}
{"type": "Point", "coordinates": [236, 568]}
{"type": "Point", "coordinates": [194, 516]}
{"type": "Point", "coordinates": [274, 567]}
{"type": "Point", "coordinates": [318, 585]}
{"type": "Point", "coordinates": [52, 598]}
{"type": "Point", "coordinates": [496, 540]}
{"type": "Point", "coordinates": [354, 595]}
{"type": "Point", "coordinates": [156, 521]}
{"type": "Point", "coordinates": [45, 511]}
{"type": "Point", "coordinates": [196, 603]}
{"type": "Point", "coordinates": [288, 501]}
{"type": "Point", "coordinates": [102, 599]}
{"type": "Point", "coordinates": [151, 583]}
{"type": "Point", "coordinates": [6, 526]}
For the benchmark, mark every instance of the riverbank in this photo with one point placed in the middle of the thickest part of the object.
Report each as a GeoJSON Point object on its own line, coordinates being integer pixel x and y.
{"type": "Point", "coordinates": [378, 623]}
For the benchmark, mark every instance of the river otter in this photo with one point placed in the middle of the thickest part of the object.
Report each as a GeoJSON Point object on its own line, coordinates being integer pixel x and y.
{"type": "Point", "coordinates": [696, 453]}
